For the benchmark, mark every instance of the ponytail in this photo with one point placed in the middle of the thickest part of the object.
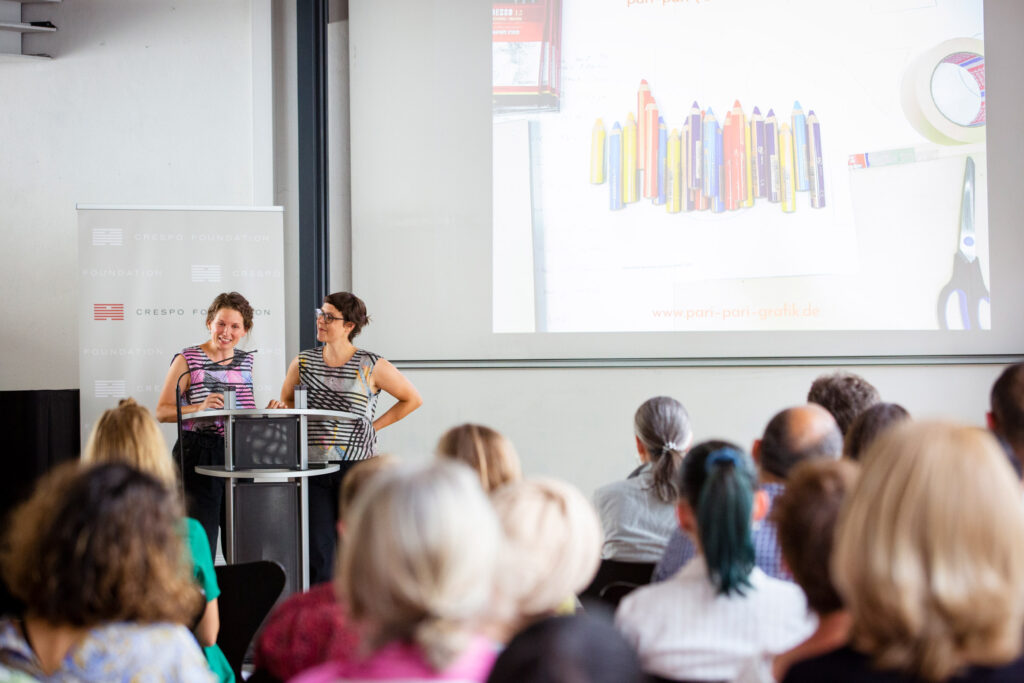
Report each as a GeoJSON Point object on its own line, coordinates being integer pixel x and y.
{"type": "Point", "coordinates": [718, 482]}
{"type": "Point", "coordinates": [663, 427]}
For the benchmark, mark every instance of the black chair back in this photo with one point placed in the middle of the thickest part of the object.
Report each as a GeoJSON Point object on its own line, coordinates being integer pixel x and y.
{"type": "Point", "coordinates": [615, 579]}
{"type": "Point", "coordinates": [248, 591]}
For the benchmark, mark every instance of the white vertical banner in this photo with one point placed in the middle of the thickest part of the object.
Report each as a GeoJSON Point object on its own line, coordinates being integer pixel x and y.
{"type": "Point", "coordinates": [147, 276]}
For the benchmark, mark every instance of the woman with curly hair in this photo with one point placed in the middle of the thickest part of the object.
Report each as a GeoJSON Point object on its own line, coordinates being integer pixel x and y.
{"type": "Point", "coordinates": [96, 556]}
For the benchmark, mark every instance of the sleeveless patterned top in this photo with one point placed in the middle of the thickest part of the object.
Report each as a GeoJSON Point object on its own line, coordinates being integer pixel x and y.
{"type": "Point", "coordinates": [345, 388]}
{"type": "Point", "coordinates": [205, 380]}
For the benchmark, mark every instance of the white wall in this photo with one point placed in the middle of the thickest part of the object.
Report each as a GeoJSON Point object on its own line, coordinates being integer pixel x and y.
{"type": "Point", "coordinates": [577, 423]}
{"type": "Point", "coordinates": [145, 102]}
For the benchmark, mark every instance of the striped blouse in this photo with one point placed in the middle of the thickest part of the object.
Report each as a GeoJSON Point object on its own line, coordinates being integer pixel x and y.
{"type": "Point", "coordinates": [206, 378]}
{"type": "Point", "coordinates": [346, 388]}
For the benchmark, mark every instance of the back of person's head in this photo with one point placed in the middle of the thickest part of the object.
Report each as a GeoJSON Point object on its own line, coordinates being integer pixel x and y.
{"type": "Point", "coordinates": [1007, 406]}
{"type": "Point", "coordinates": [718, 483]}
{"type": "Point", "coordinates": [798, 434]}
{"type": "Point", "coordinates": [128, 434]}
{"type": "Point", "coordinates": [357, 478]}
{"type": "Point", "coordinates": [805, 515]}
{"type": "Point", "coordinates": [843, 394]}
{"type": "Point", "coordinates": [869, 425]}
{"type": "Point", "coordinates": [487, 451]}
{"type": "Point", "coordinates": [929, 552]}
{"type": "Point", "coordinates": [663, 427]}
{"type": "Point", "coordinates": [419, 558]}
{"type": "Point", "coordinates": [97, 544]}
{"type": "Point", "coordinates": [568, 649]}
{"type": "Point", "coordinates": [552, 546]}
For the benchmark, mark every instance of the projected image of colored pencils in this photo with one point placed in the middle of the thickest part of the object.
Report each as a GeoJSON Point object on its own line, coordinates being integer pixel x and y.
{"type": "Point", "coordinates": [709, 162]}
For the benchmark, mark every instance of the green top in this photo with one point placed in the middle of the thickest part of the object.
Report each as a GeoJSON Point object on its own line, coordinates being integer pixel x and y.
{"type": "Point", "coordinates": [202, 570]}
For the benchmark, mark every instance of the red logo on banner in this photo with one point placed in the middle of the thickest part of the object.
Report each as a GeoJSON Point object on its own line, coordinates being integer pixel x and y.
{"type": "Point", "coordinates": [108, 311]}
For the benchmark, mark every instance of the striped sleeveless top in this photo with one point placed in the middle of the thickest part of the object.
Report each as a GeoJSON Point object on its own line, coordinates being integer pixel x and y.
{"type": "Point", "coordinates": [345, 388]}
{"type": "Point", "coordinates": [206, 379]}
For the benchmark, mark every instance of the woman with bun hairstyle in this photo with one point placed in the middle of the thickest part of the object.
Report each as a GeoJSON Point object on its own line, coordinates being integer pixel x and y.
{"type": "Point", "coordinates": [638, 513]}
{"type": "Point", "coordinates": [706, 620]}
{"type": "Point", "coordinates": [339, 376]}
{"type": "Point", "coordinates": [201, 372]}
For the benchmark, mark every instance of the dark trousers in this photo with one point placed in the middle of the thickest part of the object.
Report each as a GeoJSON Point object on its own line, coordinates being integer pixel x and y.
{"type": "Point", "coordinates": [204, 496]}
{"type": "Point", "coordinates": [323, 522]}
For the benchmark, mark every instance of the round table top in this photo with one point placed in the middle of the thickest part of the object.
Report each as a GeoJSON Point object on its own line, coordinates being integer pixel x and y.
{"type": "Point", "coordinates": [277, 474]}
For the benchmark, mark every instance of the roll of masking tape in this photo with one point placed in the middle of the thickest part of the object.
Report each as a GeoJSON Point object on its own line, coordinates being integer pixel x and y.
{"type": "Point", "coordinates": [943, 92]}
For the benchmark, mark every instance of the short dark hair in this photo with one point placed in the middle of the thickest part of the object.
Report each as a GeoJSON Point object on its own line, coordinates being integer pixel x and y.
{"type": "Point", "coordinates": [869, 424]}
{"type": "Point", "coordinates": [100, 543]}
{"type": "Point", "coordinates": [578, 648]}
{"type": "Point", "coordinates": [352, 309]}
{"type": "Point", "coordinates": [843, 394]}
{"type": "Point", "coordinates": [1007, 405]}
{"type": "Point", "coordinates": [784, 444]}
{"type": "Point", "coordinates": [232, 301]}
{"type": "Point", "coordinates": [805, 515]}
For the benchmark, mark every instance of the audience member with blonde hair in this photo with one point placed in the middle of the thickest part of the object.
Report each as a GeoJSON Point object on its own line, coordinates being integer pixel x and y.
{"type": "Point", "coordinates": [311, 628]}
{"type": "Point", "coordinates": [488, 452]}
{"type": "Point", "coordinates": [719, 610]}
{"type": "Point", "coordinates": [96, 556]}
{"type": "Point", "coordinates": [416, 571]}
{"type": "Point", "coordinates": [929, 558]}
{"type": "Point", "coordinates": [551, 551]}
{"type": "Point", "coordinates": [638, 513]}
{"type": "Point", "coordinates": [129, 435]}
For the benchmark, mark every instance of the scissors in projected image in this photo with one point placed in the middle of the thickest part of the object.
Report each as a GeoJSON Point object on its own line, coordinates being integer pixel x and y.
{"type": "Point", "coordinates": [965, 293]}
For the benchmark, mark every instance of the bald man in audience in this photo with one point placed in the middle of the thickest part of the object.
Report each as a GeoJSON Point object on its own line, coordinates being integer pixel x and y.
{"type": "Point", "coordinates": [1006, 416]}
{"type": "Point", "coordinates": [843, 394]}
{"type": "Point", "coordinates": [791, 437]}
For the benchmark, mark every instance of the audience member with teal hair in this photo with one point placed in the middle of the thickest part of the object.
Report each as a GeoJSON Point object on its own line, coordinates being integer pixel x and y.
{"type": "Point", "coordinates": [719, 609]}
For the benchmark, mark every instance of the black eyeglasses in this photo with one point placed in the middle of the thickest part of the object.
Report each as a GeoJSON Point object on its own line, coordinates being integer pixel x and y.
{"type": "Point", "coordinates": [327, 317]}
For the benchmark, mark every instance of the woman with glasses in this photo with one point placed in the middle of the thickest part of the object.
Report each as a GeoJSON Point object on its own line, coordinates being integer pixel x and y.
{"type": "Point", "coordinates": [338, 376]}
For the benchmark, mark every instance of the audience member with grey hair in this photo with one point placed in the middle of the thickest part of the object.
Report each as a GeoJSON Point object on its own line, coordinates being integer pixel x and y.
{"type": "Point", "coordinates": [416, 572]}
{"type": "Point", "coordinates": [638, 513]}
{"type": "Point", "coordinates": [793, 436]}
{"type": "Point", "coordinates": [843, 394]}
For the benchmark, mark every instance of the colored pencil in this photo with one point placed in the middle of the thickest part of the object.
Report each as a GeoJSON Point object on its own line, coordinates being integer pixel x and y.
{"type": "Point", "coordinates": [597, 162]}
{"type": "Point", "coordinates": [650, 143]}
{"type": "Point", "coordinates": [732, 185]}
{"type": "Point", "coordinates": [615, 168]}
{"type": "Point", "coordinates": [787, 169]}
{"type": "Point", "coordinates": [759, 163]}
{"type": "Point", "coordinates": [747, 200]}
{"type": "Point", "coordinates": [643, 98]}
{"type": "Point", "coordinates": [717, 202]}
{"type": "Point", "coordinates": [694, 153]}
{"type": "Point", "coordinates": [659, 197]}
{"type": "Point", "coordinates": [674, 185]}
{"type": "Point", "coordinates": [629, 184]}
{"type": "Point", "coordinates": [710, 170]}
{"type": "Point", "coordinates": [816, 166]}
{"type": "Point", "coordinates": [800, 146]}
{"type": "Point", "coordinates": [771, 146]}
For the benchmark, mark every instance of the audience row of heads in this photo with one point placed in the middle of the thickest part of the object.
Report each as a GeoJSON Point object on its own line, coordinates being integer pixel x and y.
{"type": "Point", "coordinates": [419, 559]}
